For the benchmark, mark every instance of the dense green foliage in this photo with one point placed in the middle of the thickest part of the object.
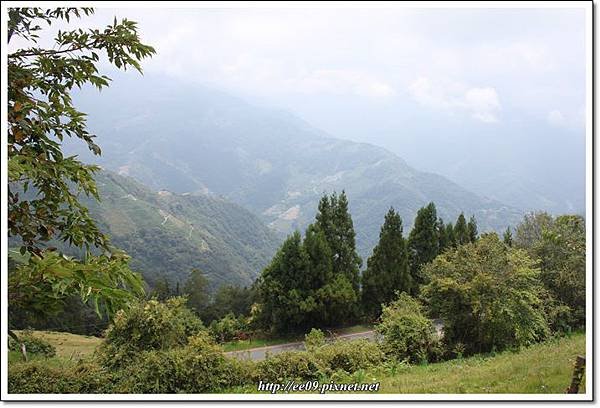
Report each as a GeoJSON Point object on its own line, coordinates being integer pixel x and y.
{"type": "Point", "coordinates": [408, 334]}
{"type": "Point", "coordinates": [314, 282]}
{"type": "Point", "coordinates": [199, 367]}
{"type": "Point", "coordinates": [423, 243]}
{"type": "Point", "coordinates": [314, 339]}
{"type": "Point", "coordinates": [228, 328]}
{"type": "Point", "coordinates": [559, 246]}
{"type": "Point", "coordinates": [196, 290]}
{"type": "Point", "coordinates": [488, 295]}
{"type": "Point", "coordinates": [321, 361]}
{"type": "Point", "coordinates": [45, 185]}
{"type": "Point", "coordinates": [527, 371]}
{"type": "Point", "coordinates": [148, 325]}
{"type": "Point", "coordinates": [334, 220]}
{"type": "Point", "coordinates": [461, 230]}
{"type": "Point", "coordinates": [388, 268]}
{"type": "Point", "coordinates": [38, 377]}
{"type": "Point", "coordinates": [167, 235]}
{"type": "Point", "coordinates": [230, 299]}
{"type": "Point", "coordinates": [33, 345]}
{"type": "Point", "coordinates": [43, 285]}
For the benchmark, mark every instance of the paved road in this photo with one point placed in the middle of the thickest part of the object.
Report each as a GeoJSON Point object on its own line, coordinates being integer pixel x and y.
{"type": "Point", "coordinates": [260, 353]}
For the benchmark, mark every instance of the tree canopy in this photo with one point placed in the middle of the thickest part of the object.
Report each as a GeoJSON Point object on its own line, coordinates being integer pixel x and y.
{"type": "Point", "coordinates": [387, 269]}
{"type": "Point", "coordinates": [44, 184]}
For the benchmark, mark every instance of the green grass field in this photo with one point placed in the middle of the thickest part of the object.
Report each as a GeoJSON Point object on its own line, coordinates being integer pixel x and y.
{"type": "Point", "coordinates": [543, 368]}
{"type": "Point", "coordinates": [68, 346]}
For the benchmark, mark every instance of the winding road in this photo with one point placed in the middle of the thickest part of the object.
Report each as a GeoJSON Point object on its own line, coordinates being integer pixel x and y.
{"type": "Point", "coordinates": [260, 353]}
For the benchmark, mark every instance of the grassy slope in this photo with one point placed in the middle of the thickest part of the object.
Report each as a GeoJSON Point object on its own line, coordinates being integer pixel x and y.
{"type": "Point", "coordinates": [69, 345]}
{"type": "Point", "coordinates": [542, 368]}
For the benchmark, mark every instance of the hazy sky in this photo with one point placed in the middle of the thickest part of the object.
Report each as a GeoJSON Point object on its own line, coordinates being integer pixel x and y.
{"type": "Point", "coordinates": [393, 77]}
{"type": "Point", "coordinates": [471, 64]}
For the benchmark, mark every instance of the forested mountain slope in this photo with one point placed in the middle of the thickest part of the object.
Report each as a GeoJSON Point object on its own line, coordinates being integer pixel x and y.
{"type": "Point", "coordinates": [168, 234]}
{"type": "Point", "coordinates": [190, 139]}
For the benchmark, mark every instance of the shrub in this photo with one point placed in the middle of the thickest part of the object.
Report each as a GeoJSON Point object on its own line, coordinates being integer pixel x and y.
{"type": "Point", "coordinates": [148, 325]}
{"type": "Point", "coordinates": [348, 356]}
{"type": "Point", "coordinates": [489, 296]}
{"type": "Point", "coordinates": [37, 377]}
{"type": "Point", "coordinates": [407, 333]}
{"type": "Point", "coordinates": [228, 328]}
{"type": "Point", "coordinates": [320, 361]}
{"type": "Point", "coordinates": [314, 339]}
{"type": "Point", "coordinates": [290, 365]}
{"type": "Point", "coordinates": [33, 345]}
{"type": "Point", "coordinates": [199, 367]}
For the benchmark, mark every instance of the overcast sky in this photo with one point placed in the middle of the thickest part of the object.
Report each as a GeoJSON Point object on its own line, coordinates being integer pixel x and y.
{"type": "Point", "coordinates": [375, 74]}
{"type": "Point", "coordinates": [469, 63]}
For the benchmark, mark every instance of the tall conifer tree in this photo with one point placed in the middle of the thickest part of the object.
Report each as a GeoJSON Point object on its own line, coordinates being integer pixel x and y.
{"type": "Point", "coordinates": [450, 235]}
{"type": "Point", "coordinates": [423, 243]}
{"type": "Point", "coordinates": [387, 269]}
{"type": "Point", "coordinates": [461, 232]}
{"type": "Point", "coordinates": [472, 229]}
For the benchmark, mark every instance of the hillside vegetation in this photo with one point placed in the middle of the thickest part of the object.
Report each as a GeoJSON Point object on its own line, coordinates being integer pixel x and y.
{"type": "Point", "coordinates": [188, 139]}
{"type": "Point", "coordinates": [542, 368]}
{"type": "Point", "coordinates": [169, 234]}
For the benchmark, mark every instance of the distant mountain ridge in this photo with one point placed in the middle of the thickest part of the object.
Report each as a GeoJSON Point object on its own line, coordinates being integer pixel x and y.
{"type": "Point", "coordinates": [193, 139]}
{"type": "Point", "coordinates": [168, 234]}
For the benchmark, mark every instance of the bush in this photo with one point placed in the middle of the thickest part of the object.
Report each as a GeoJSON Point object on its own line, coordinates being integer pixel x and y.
{"type": "Point", "coordinates": [489, 296]}
{"type": "Point", "coordinates": [228, 328]}
{"type": "Point", "coordinates": [348, 356]}
{"type": "Point", "coordinates": [314, 339]}
{"type": "Point", "coordinates": [37, 377]}
{"type": "Point", "coordinates": [199, 367]}
{"type": "Point", "coordinates": [290, 365]}
{"type": "Point", "coordinates": [148, 325]}
{"type": "Point", "coordinates": [320, 361]}
{"type": "Point", "coordinates": [33, 345]}
{"type": "Point", "coordinates": [407, 333]}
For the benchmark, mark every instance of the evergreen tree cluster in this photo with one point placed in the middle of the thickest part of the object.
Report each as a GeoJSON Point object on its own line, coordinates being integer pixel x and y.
{"type": "Point", "coordinates": [315, 281]}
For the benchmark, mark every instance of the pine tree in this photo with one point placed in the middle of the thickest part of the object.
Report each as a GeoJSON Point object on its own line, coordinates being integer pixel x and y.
{"type": "Point", "coordinates": [162, 291]}
{"type": "Point", "coordinates": [507, 237]}
{"type": "Point", "coordinates": [443, 239]}
{"type": "Point", "coordinates": [282, 288]}
{"type": "Point", "coordinates": [334, 220]}
{"type": "Point", "coordinates": [450, 235]}
{"type": "Point", "coordinates": [472, 229]}
{"type": "Point", "coordinates": [387, 269]}
{"type": "Point", "coordinates": [319, 273]}
{"type": "Point", "coordinates": [314, 282]}
{"type": "Point", "coordinates": [336, 223]}
{"type": "Point", "coordinates": [461, 232]}
{"type": "Point", "coordinates": [320, 260]}
{"type": "Point", "coordinates": [423, 243]}
{"type": "Point", "coordinates": [196, 290]}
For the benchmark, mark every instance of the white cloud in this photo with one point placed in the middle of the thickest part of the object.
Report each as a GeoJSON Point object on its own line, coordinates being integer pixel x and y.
{"type": "Point", "coordinates": [283, 56]}
{"type": "Point", "coordinates": [481, 104]}
{"type": "Point", "coordinates": [556, 118]}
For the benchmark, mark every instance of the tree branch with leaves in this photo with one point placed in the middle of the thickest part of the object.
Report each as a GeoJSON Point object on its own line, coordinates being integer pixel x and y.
{"type": "Point", "coordinates": [45, 184]}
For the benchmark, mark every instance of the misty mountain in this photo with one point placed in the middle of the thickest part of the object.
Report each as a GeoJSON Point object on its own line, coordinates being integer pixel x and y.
{"type": "Point", "coordinates": [187, 139]}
